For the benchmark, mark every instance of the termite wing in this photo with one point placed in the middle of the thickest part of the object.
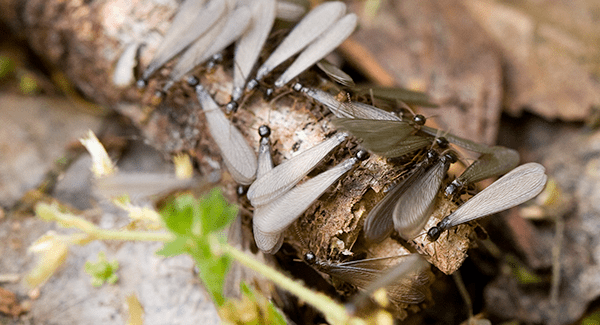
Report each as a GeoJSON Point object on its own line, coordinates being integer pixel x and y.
{"type": "Point", "coordinates": [248, 47]}
{"type": "Point", "coordinates": [192, 20]}
{"type": "Point", "coordinates": [335, 73]}
{"type": "Point", "coordinates": [235, 25]}
{"type": "Point", "coordinates": [415, 205]}
{"type": "Point", "coordinates": [413, 195]}
{"type": "Point", "coordinates": [279, 214]}
{"type": "Point", "coordinates": [320, 47]}
{"type": "Point", "coordinates": [406, 281]}
{"type": "Point", "coordinates": [518, 186]}
{"type": "Point", "coordinates": [307, 30]}
{"type": "Point", "coordinates": [283, 177]}
{"type": "Point", "coordinates": [238, 156]}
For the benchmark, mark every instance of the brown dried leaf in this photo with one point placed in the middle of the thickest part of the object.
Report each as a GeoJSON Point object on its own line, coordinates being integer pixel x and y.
{"type": "Point", "coordinates": [551, 53]}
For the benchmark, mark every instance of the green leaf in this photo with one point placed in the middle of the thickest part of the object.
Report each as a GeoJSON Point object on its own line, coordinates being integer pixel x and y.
{"type": "Point", "coordinates": [212, 270]}
{"type": "Point", "coordinates": [198, 225]}
{"type": "Point", "coordinates": [176, 247]}
{"type": "Point", "coordinates": [102, 271]}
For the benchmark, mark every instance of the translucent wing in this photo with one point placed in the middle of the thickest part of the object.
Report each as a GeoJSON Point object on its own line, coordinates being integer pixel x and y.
{"type": "Point", "coordinates": [379, 222]}
{"type": "Point", "coordinates": [278, 215]}
{"type": "Point", "coordinates": [238, 156]}
{"type": "Point", "coordinates": [494, 161]}
{"type": "Point", "coordinates": [394, 94]}
{"type": "Point", "coordinates": [413, 208]}
{"type": "Point", "coordinates": [291, 10]}
{"type": "Point", "coordinates": [520, 185]}
{"type": "Point", "coordinates": [395, 277]}
{"type": "Point", "coordinates": [412, 143]}
{"type": "Point", "coordinates": [191, 21]}
{"type": "Point", "coordinates": [307, 30]}
{"type": "Point", "coordinates": [377, 135]}
{"type": "Point", "coordinates": [265, 162]}
{"type": "Point", "coordinates": [139, 185]}
{"type": "Point", "coordinates": [268, 243]}
{"type": "Point", "coordinates": [290, 172]}
{"type": "Point", "coordinates": [322, 46]}
{"type": "Point", "coordinates": [251, 43]}
{"type": "Point", "coordinates": [235, 25]}
{"type": "Point", "coordinates": [405, 282]}
{"type": "Point", "coordinates": [335, 73]}
{"type": "Point", "coordinates": [349, 109]}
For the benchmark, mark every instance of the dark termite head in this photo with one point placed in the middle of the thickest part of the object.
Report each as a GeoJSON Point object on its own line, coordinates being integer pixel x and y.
{"type": "Point", "coordinates": [310, 258]}
{"type": "Point", "coordinates": [432, 154]}
{"type": "Point", "coordinates": [268, 92]}
{"type": "Point", "coordinates": [241, 190]}
{"type": "Point", "coordinates": [231, 107]}
{"type": "Point", "coordinates": [434, 233]}
{"type": "Point", "coordinates": [419, 119]}
{"type": "Point", "coordinates": [362, 155]}
{"type": "Point", "coordinates": [141, 83]}
{"type": "Point", "coordinates": [264, 131]}
{"type": "Point", "coordinates": [442, 142]}
{"type": "Point", "coordinates": [192, 81]}
{"type": "Point", "coordinates": [210, 66]}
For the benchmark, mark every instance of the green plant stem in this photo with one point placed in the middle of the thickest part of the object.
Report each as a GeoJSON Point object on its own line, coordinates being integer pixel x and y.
{"type": "Point", "coordinates": [103, 234]}
{"type": "Point", "coordinates": [334, 313]}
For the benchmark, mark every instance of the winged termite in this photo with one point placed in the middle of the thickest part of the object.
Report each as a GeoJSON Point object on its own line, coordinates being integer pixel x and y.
{"type": "Point", "coordinates": [250, 44]}
{"type": "Point", "coordinates": [238, 156]}
{"type": "Point", "coordinates": [283, 177]}
{"type": "Point", "coordinates": [307, 30]}
{"type": "Point", "coordinates": [235, 24]}
{"type": "Point", "coordinates": [279, 214]}
{"type": "Point", "coordinates": [519, 185]}
{"type": "Point", "coordinates": [380, 222]}
{"type": "Point", "coordinates": [405, 280]}
{"type": "Point", "coordinates": [268, 243]}
{"type": "Point", "coordinates": [494, 161]}
{"type": "Point", "coordinates": [191, 21]}
{"type": "Point", "coordinates": [414, 206]}
{"type": "Point", "coordinates": [320, 47]}
{"type": "Point", "coordinates": [335, 73]}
